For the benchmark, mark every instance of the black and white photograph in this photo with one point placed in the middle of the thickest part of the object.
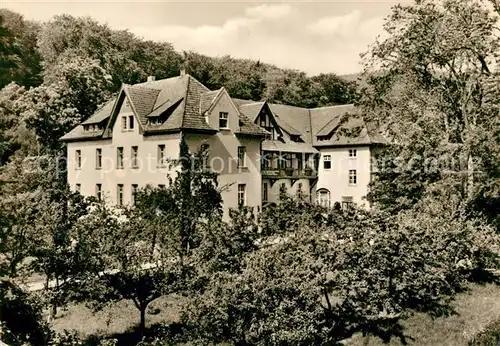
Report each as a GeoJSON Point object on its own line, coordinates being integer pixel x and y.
{"type": "Point", "coordinates": [249, 173]}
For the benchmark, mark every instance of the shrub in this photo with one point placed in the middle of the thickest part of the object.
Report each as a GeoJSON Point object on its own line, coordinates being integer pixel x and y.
{"type": "Point", "coordinates": [490, 336]}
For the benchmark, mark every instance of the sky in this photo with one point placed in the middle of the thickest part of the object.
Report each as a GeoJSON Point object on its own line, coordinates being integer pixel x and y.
{"type": "Point", "coordinates": [312, 36]}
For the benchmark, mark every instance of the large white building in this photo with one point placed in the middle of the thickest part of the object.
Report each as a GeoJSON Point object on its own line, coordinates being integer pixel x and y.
{"type": "Point", "coordinates": [259, 149]}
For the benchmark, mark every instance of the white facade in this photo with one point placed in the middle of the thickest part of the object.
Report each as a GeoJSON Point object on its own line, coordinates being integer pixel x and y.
{"type": "Point", "coordinates": [89, 173]}
{"type": "Point", "coordinates": [346, 178]}
{"type": "Point", "coordinates": [325, 171]}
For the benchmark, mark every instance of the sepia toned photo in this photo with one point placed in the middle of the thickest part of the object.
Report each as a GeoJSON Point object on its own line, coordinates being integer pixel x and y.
{"type": "Point", "coordinates": [249, 173]}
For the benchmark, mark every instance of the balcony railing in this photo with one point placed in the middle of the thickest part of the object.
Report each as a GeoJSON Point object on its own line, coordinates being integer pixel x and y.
{"type": "Point", "coordinates": [288, 173]}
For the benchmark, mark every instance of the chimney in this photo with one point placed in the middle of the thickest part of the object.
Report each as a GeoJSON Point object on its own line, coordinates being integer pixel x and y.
{"type": "Point", "coordinates": [151, 78]}
{"type": "Point", "coordinates": [183, 72]}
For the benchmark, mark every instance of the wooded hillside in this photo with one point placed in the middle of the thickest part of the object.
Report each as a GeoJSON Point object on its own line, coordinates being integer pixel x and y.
{"type": "Point", "coordinates": [34, 51]}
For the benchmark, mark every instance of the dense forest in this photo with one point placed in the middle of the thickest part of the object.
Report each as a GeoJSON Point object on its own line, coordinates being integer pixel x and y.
{"type": "Point", "coordinates": [35, 50]}
{"type": "Point", "coordinates": [299, 273]}
{"type": "Point", "coordinates": [57, 73]}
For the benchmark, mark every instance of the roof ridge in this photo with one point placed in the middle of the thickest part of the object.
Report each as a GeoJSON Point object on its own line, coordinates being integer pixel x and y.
{"type": "Point", "coordinates": [328, 123]}
{"type": "Point", "coordinates": [186, 98]}
{"type": "Point", "coordinates": [252, 103]}
{"type": "Point", "coordinates": [310, 126]}
{"type": "Point", "coordinates": [282, 104]}
{"type": "Point", "coordinates": [335, 106]}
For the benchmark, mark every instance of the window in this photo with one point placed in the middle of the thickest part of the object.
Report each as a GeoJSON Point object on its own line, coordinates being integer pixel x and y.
{"type": "Point", "coordinates": [264, 191]}
{"type": "Point", "coordinates": [155, 121]}
{"type": "Point", "coordinates": [241, 194]}
{"type": "Point", "coordinates": [98, 191]}
{"type": "Point", "coordinates": [324, 198]}
{"type": "Point", "coordinates": [266, 160]}
{"type": "Point", "coordinates": [327, 162]}
{"type": "Point", "coordinates": [161, 155]}
{"type": "Point", "coordinates": [288, 161]}
{"type": "Point", "coordinates": [353, 152]}
{"type": "Point", "coordinates": [134, 193]}
{"type": "Point", "coordinates": [241, 157]}
{"type": "Point", "coordinates": [134, 152]}
{"type": "Point", "coordinates": [78, 187]}
{"type": "Point", "coordinates": [285, 161]}
{"type": "Point", "coordinates": [300, 193]}
{"type": "Point", "coordinates": [347, 202]}
{"type": "Point", "coordinates": [98, 158]}
{"type": "Point", "coordinates": [119, 157]}
{"type": "Point", "coordinates": [78, 159]}
{"type": "Point", "coordinates": [264, 121]}
{"type": "Point", "coordinates": [353, 179]}
{"type": "Point", "coordinates": [124, 123]}
{"type": "Point", "coordinates": [300, 161]}
{"type": "Point", "coordinates": [119, 194]}
{"type": "Point", "coordinates": [130, 122]}
{"type": "Point", "coordinates": [223, 120]}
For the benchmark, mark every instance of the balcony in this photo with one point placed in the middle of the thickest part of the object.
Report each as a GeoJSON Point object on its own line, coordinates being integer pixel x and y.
{"type": "Point", "coordinates": [283, 173]}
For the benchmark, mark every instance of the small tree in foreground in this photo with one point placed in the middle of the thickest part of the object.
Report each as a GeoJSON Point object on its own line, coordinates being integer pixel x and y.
{"type": "Point", "coordinates": [140, 252]}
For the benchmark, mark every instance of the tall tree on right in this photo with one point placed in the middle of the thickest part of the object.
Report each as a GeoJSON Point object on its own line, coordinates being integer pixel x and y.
{"type": "Point", "coordinates": [433, 90]}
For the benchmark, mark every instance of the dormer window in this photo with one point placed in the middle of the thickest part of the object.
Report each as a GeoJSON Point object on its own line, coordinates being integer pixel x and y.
{"type": "Point", "coordinates": [155, 121]}
{"type": "Point", "coordinates": [223, 123]}
{"type": "Point", "coordinates": [264, 121]}
{"type": "Point", "coordinates": [92, 127]}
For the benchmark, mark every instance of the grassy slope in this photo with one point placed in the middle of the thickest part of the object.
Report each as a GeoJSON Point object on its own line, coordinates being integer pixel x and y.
{"type": "Point", "coordinates": [475, 310]}
{"type": "Point", "coordinates": [115, 319]}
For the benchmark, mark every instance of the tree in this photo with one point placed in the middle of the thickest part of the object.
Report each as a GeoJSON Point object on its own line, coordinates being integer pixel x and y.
{"type": "Point", "coordinates": [18, 233]}
{"type": "Point", "coordinates": [336, 90]}
{"type": "Point", "coordinates": [25, 68]}
{"type": "Point", "coordinates": [14, 136]}
{"type": "Point", "coordinates": [133, 258]}
{"type": "Point", "coordinates": [55, 253]}
{"type": "Point", "coordinates": [127, 58]}
{"type": "Point", "coordinates": [8, 51]}
{"type": "Point", "coordinates": [65, 99]}
{"type": "Point", "coordinates": [142, 252]}
{"type": "Point", "coordinates": [21, 319]}
{"type": "Point", "coordinates": [430, 90]}
{"type": "Point", "coordinates": [322, 278]}
{"type": "Point", "coordinates": [195, 195]}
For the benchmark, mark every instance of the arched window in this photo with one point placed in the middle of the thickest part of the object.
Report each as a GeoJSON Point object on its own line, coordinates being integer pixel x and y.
{"type": "Point", "coordinates": [323, 197]}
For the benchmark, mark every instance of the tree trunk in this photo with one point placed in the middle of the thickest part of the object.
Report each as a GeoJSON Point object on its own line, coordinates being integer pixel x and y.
{"type": "Point", "coordinates": [142, 325]}
{"type": "Point", "coordinates": [54, 302]}
{"type": "Point", "coordinates": [470, 176]}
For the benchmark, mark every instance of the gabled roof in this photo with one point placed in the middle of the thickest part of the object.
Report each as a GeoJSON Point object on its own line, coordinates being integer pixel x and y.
{"type": "Point", "coordinates": [142, 100]}
{"type": "Point", "coordinates": [208, 99]}
{"type": "Point", "coordinates": [288, 128]}
{"type": "Point", "coordinates": [248, 128]}
{"type": "Point", "coordinates": [293, 119]}
{"type": "Point", "coordinates": [181, 103]}
{"type": "Point", "coordinates": [251, 110]}
{"type": "Point", "coordinates": [101, 113]}
{"type": "Point", "coordinates": [323, 118]}
{"type": "Point", "coordinates": [158, 111]}
{"type": "Point", "coordinates": [193, 119]}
